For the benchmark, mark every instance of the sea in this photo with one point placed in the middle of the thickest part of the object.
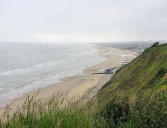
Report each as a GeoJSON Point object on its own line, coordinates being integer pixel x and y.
{"type": "Point", "coordinates": [25, 67]}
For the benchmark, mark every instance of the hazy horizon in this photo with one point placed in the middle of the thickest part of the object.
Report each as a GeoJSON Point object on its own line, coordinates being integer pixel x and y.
{"type": "Point", "coordinates": [82, 21]}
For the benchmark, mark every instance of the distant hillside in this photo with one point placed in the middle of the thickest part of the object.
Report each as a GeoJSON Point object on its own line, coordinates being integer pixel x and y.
{"type": "Point", "coordinates": [137, 46]}
{"type": "Point", "coordinates": [136, 95]}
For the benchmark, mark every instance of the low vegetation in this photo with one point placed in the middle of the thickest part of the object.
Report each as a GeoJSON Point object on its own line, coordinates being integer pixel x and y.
{"type": "Point", "coordinates": [136, 96]}
{"type": "Point", "coordinates": [34, 114]}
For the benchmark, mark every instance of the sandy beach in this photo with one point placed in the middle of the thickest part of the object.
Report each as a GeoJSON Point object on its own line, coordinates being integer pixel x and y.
{"type": "Point", "coordinates": [79, 86]}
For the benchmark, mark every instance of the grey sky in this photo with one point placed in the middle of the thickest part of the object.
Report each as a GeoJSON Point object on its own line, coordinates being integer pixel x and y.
{"type": "Point", "coordinates": [82, 20]}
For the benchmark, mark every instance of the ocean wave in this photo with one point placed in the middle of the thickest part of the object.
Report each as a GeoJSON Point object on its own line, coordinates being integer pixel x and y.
{"type": "Point", "coordinates": [13, 93]}
{"type": "Point", "coordinates": [29, 73]}
{"type": "Point", "coordinates": [31, 68]}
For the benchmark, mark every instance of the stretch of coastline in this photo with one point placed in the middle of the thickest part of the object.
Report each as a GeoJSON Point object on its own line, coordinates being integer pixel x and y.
{"type": "Point", "coordinates": [79, 86]}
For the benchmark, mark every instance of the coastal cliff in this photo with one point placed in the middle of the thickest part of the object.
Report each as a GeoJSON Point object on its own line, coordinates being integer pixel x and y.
{"type": "Point", "coordinates": [148, 72]}
{"type": "Point", "coordinates": [135, 97]}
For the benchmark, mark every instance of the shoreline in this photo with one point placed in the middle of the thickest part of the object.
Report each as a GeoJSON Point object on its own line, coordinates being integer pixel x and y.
{"type": "Point", "coordinates": [78, 86]}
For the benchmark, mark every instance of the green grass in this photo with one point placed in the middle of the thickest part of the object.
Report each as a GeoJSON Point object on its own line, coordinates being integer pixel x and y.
{"type": "Point", "coordinates": [146, 111]}
{"type": "Point", "coordinates": [136, 96]}
{"type": "Point", "coordinates": [34, 114]}
{"type": "Point", "coordinates": [147, 71]}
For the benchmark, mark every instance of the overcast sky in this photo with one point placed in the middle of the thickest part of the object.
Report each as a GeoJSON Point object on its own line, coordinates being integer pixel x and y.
{"type": "Point", "coordinates": [82, 20]}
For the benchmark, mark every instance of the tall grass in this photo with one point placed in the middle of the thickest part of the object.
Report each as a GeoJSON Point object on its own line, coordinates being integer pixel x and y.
{"type": "Point", "coordinates": [146, 111]}
{"type": "Point", "coordinates": [34, 114]}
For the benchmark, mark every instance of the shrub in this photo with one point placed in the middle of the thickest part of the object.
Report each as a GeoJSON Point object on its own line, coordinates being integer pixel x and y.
{"type": "Point", "coordinates": [155, 44]}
